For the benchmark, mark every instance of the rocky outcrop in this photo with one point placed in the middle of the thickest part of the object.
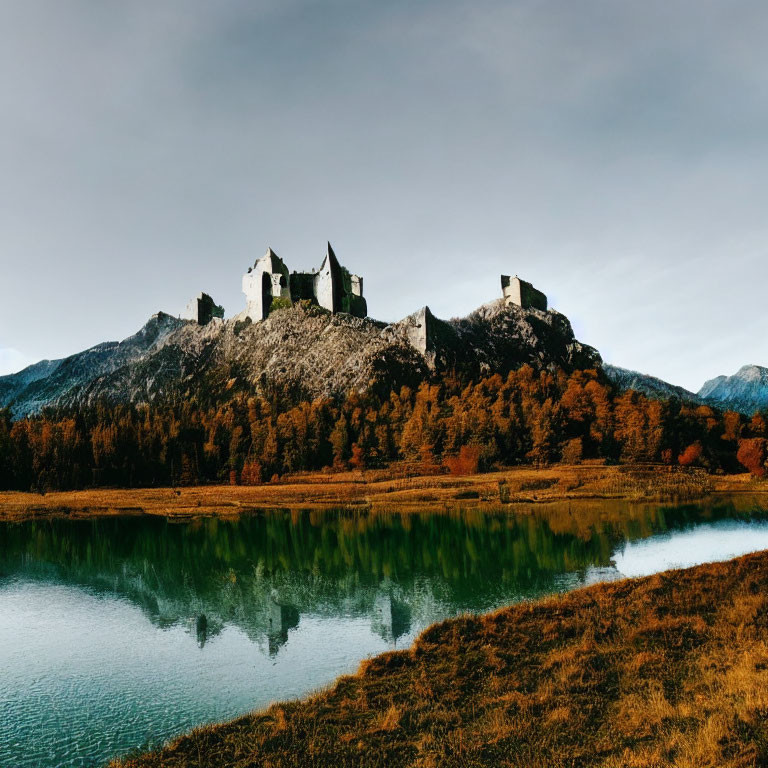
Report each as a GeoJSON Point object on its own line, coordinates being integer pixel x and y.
{"type": "Point", "coordinates": [497, 337]}
{"type": "Point", "coordinates": [303, 351]}
{"type": "Point", "coordinates": [745, 391]}
{"type": "Point", "coordinates": [500, 337]}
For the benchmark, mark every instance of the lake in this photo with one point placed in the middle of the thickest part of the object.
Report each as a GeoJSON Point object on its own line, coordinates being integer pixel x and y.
{"type": "Point", "coordinates": [119, 633]}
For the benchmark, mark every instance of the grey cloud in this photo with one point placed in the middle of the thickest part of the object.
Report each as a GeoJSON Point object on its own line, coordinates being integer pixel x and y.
{"type": "Point", "coordinates": [611, 152]}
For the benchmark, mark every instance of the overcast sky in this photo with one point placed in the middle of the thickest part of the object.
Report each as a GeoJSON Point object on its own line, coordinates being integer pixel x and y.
{"type": "Point", "coordinates": [613, 153]}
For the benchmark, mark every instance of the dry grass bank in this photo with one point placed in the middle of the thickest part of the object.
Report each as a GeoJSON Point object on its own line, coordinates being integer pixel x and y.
{"type": "Point", "coordinates": [396, 487]}
{"type": "Point", "coordinates": [670, 670]}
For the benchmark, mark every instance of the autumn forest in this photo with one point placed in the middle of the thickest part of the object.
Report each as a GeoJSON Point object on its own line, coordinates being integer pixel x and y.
{"type": "Point", "coordinates": [526, 417]}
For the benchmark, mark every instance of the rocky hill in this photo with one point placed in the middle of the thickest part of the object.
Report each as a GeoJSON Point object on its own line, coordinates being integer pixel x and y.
{"type": "Point", "coordinates": [745, 391]}
{"type": "Point", "coordinates": [300, 351]}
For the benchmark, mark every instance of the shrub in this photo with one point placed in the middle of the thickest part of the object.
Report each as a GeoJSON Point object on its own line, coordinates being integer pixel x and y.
{"type": "Point", "coordinates": [251, 474]}
{"type": "Point", "coordinates": [466, 463]}
{"type": "Point", "coordinates": [427, 462]}
{"type": "Point", "coordinates": [691, 455]}
{"type": "Point", "coordinates": [279, 302]}
{"type": "Point", "coordinates": [357, 459]}
{"type": "Point", "coordinates": [752, 455]}
{"type": "Point", "coordinates": [572, 451]}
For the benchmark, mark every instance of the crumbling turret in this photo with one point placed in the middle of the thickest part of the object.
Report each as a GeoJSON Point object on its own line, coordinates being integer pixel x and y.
{"type": "Point", "coordinates": [517, 291]}
{"type": "Point", "coordinates": [266, 281]}
{"type": "Point", "coordinates": [202, 309]}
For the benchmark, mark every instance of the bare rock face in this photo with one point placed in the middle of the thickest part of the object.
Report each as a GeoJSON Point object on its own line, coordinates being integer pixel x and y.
{"type": "Point", "coordinates": [301, 351]}
{"type": "Point", "coordinates": [313, 353]}
{"type": "Point", "coordinates": [505, 336]}
{"type": "Point", "coordinates": [496, 338]}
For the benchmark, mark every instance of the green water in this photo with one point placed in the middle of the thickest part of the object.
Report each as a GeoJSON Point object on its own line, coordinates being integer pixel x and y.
{"type": "Point", "coordinates": [122, 632]}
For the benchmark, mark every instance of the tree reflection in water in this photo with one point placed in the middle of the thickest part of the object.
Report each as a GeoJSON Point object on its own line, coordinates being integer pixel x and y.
{"type": "Point", "coordinates": [263, 571]}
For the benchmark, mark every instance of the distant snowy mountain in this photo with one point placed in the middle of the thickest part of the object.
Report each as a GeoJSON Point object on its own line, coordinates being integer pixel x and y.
{"type": "Point", "coordinates": [745, 391]}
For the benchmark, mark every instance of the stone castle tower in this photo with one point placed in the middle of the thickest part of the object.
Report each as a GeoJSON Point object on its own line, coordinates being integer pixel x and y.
{"type": "Point", "coordinates": [267, 280]}
{"type": "Point", "coordinates": [517, 291]}
{"type": "Point", "coordinates": [268, 285]}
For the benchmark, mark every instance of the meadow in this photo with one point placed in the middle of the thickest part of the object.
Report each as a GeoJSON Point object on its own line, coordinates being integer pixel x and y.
{"type": "Point", "coordinates": [400, 486]}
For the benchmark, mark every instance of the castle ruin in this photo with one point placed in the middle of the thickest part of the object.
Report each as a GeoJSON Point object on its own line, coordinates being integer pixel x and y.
{"type": "Point", "coordinates": [268, 285]}
{"type": "Point", "coordinates": [202, 309]}
{"type": "Point", "coordinates": [517, 291]}
{"type": "Point", "coordinates": [418, 329]}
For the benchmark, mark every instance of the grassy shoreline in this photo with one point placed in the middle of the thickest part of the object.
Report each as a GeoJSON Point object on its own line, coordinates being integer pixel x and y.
{"type": "Point", "coordinates": [667, 670]}
{"type": "Point", "coordinates": [393, 488]}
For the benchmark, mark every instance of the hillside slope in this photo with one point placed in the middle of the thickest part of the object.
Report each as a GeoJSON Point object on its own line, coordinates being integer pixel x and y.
{"type": "Point", "coordinates": [649, 385]}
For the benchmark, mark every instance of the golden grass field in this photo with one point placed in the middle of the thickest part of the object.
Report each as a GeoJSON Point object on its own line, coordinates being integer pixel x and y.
{"type": "Point", "coordinates": [394, 487]}
{"type": "Point", "coordinates": [668, 670]}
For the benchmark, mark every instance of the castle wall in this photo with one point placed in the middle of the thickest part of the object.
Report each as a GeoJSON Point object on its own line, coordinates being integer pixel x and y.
{"type": "Point", "coordinates": [356, 305]}
{"type": "Point", "coordinates": [190, 311]}
{"type": "Point", "coordinates": [417, 329]}
{"type": "Point", "coordinates": [253, 288]}
{"type": "Point", "coordinates": [303, 286]}
{"type": "Point", "coordinates": [267, 280]}
{"type": "Point", "coordinates": [522, 293]}
{"type": "Point", "coordinates": [325, 286]}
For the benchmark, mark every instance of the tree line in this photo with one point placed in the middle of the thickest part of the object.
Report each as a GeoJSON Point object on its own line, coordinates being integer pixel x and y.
{"type": "Point", "coordinates": [525, 417]}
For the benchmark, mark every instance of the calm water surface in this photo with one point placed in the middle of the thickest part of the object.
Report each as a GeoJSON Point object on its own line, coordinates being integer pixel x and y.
{"type": "Point", "coordinates": [120, 633]}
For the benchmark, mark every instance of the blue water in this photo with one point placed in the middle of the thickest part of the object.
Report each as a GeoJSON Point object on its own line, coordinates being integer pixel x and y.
{"type": "Point", "coordinates": [117, 634]}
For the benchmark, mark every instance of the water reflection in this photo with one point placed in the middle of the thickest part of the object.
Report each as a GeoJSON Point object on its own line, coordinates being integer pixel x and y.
{"type": "Point", "coordinates": [720, 540]}
{"type": "Point", "coordinates": [263, 571]}
{"type": "Point", "coordinates": [201, 629]}
{"type": "Point", "coordinates": [281, 619]}
{"type": "Point", "coordinates": [391, 617]}
{"type": "Point", "coordinates": [274, 604]}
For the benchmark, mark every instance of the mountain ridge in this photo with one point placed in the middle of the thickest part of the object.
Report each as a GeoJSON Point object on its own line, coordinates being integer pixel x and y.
{"type": "Point", "coordinates": [303, 349]}
{"type": "Point", "coordinates": [310, 352]}
{"type": "Point", "coordinates": [745, 391]}
{"type": "Point", "coordinates": [651, 386]}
